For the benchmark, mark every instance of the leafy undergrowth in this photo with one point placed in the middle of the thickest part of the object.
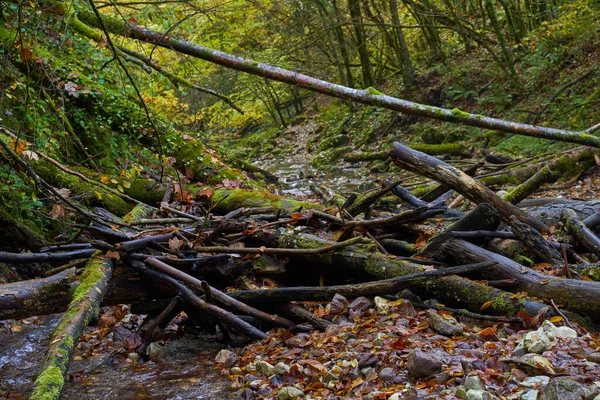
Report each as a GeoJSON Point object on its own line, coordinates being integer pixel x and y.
{"type": "Point", "coordinates": [388, 350]}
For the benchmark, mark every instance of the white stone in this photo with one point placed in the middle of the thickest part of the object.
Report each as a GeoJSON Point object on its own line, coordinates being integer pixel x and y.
{"type": "Point", "coordinates": [532, 381]}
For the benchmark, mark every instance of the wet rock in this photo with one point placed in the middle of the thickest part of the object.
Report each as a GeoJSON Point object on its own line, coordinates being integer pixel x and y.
{"type": "Point", "coordinates": [334, 141]}
{"type": "Point", "coordinates": [474, 382]}
{"type": "Point", "coordinates": [289, 392]}
{"type": "Point", "coordinates": [255, 384]}
{"type": "Point", "coordinates": [421, 364]}
{"type": "Point", "coordinates": [281, 368]}
{"type": "Point", "coordinates": [367, 359]}
{"type": "Point", "coordinates": [535, 381]}
{"type": "Point", "coordinates": [473, 394]}
{"type": "Point", "coordinates": [530, 395]}
{"type": "Point", "coordinates": [382, 306]}
{"type": "Point", "coordinates": [593, 357]}
{"type": "Point", "coordinates": [387, 374]}
{"type": "Point", "coordinates": [519, 350]}
{"type": "Point", "coordinates": [235, 371]}
{"type": "Point", "coordinates": [447, 326]}
{"type": "Point", "coordinates": [359, 306]}
{"type": "Point", "coordinates": [461, 392]}
{"type": "Point", "coordinates": [225, 357]}
{"type": "Point", "coordinates": [339, 305]}
{"type": "Point", "coordinates": [538, 363]}
{"type": "Point", "coordinates": [537, 342]}
{"type": "Point", "coordinates": [563, 389]}
{"type": "Point", "coordinates": [396, 396]}
{"type": "Point", "coordinates": [157, 353]}
{"type": "Point", "coordinates": [404, 307]}
{"type": "Point", "coordinates": [264, 368]}
{"type": "Point", "coordinates": [247, 394]}
{"type": "Point", "coordinates": [300, 340]}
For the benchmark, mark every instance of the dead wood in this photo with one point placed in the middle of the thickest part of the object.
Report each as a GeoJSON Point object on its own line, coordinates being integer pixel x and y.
{"type": "Point", "coordinates": [535, 242]}
{"type": "Point", "coordinates": [578, 296]}
{"type": "Point", "coordinates": [551, 214]}
{"type": "Point", "coordinates": [219, 296]}
{"type": "Point", "coordinates": [482, 217]}
{"type": "Point", "coordinates": [199, 306]}
{"type": "Point", "coordinates": [582, 233]}
{"type": "Point", "coordinates": [302, 314]}
{"type": "Point", "coordinates": [363, 261]}
{"type": "Point", "coordinates": [82, 309]}
{"type": "Point", "coordinates": [161, 320]}
{"type": "Point", "coordinates": [530, 186]}
{"type": "Point", "coordinates": [431, 167]}
{"type": "Point", "coordinates": [374, 288]}
{"type": "Point", "coordinates": [49, 258]}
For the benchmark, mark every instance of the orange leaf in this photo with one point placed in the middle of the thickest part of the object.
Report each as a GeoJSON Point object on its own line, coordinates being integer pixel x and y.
{"type": "Point", "coordinates": [486, 305]}
{"type": "Point", "coordinates": [113, 254]}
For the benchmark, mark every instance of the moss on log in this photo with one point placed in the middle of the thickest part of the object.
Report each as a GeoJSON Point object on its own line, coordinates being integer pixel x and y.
{"type": "Point", "coordinates": [84, 306]}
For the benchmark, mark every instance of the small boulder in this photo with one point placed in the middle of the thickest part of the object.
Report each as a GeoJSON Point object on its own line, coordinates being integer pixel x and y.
{"type": "Point", "coordinates": [445, 325]}
{"type": "Point", "coordinates": [264, 368]}
{"type": "Point", "coordinates": [421, 364]}
{"type": "Point", "coordinates": [474, 382]}
{"type": "Point", "coordinates": [382, 306]}
{"type": "Point", "coordinates": [563, 389]}
{"type": "Point", "coordinates": [387, 374]}
{"type": "Point", "coordinates": [339, 305]}
{"type": "Point", "coordinates": [225, 357]}
{"type": "Point", "coordinates": [359, 306]}
{"type": "Point", "coordinates": [289, 392]}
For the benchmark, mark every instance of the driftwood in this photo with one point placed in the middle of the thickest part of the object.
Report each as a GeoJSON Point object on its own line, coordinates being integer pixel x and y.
{"type": "Point", "coordinates": [82, 309]}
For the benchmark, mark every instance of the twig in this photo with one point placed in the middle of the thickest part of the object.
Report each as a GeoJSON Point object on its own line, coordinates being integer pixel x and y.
{"type": "Point", "coordinates": [561, 314]}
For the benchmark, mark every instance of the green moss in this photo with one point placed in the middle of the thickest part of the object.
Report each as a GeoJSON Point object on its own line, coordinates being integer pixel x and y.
{"type": "Point", "coordinates": [373, 92]}
{"type": "Point", "coordinates": [146, 190]}
{"type": "Point", "coordinates": [140, 211]}
{"type": "Point", "coordinates": [92, 274]}
{"type": "Point", "coordinates": [48, 384]}
{"type": "Point", "coordinates": [225, 200]}
{"type": "Point", "coordinates": [85, 192]}
{"type": "Point", "coordinates": [459, 113]}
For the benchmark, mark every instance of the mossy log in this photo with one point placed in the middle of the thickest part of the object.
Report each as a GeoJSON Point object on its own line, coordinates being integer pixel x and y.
{"type": "Point", "coordinates": [530, 186]}
{"type": "Point", "coordinates": [576, 295]}
{"type": "Point", "coordinates": [453, 149]}
{"type": "Point", "coordinates": [364, 261]}
{"type": "Point", "coordinates": [35, 296]}
{"type": "Point", "coordinates": [82, 309]}
{"type": "Point", "coordinates": [88, 194]}
{"type": "Point", "coordinates": [475, 191]}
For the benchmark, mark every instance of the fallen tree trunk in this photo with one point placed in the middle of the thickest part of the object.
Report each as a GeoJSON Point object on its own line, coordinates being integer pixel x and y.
{"type": "Point", "coordinates": [369, 96]}
{"type": "Point", "coordinates": [576, 295]}
{"type": "Point", "coordinates": [581, 232]}
{"type": "Point", "coordinates": [438, 170]}
{"type": "Point", "coordinates": [363, 261]}
{"type": "Point", "coordinates": [83, 308]}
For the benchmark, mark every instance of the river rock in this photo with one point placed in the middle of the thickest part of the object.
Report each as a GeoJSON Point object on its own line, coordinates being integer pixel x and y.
{"type": "Point", "coordinates": [563, 389]}
{"type": "Point", "coordinates": [474, 382]}
{"type": "Point", "coordinates": [530, 395]}
{"type": "Point", "coordinates": [421, 364]}
{"type": "Point", "coordinates": [339, 305]}
{"type": "Point", "coordinates": [537, 363]}
{"type": "Point", "coordinates": [593, 357]}
{"type": "Point", "coordinates": [533, 381]}
{"type": "Point", "coordinates": [264, 368]}
{"type": "Point", "coordinates": [537, 341]}
{"type": "Point", "coordinates": [289, 392]}
{"type": "Point", "coordinates": [382, 306]}
{"type": "Point", "coordinates": [281, 368]}
{"type": "Point", "coordinates": [157, 353]}
{"type": "Point", "coordinates": [447, 326]}
{"type": "Point", "coordinates": [359, 306]}
{"type": "Point", "coordinates": [387, 374]}
{"type": "Point", "coordinates": [225, 357]}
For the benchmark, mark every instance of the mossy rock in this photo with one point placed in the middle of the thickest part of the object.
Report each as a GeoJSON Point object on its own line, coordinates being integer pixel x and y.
{"type": "Point", "coordinates": [334, 141]}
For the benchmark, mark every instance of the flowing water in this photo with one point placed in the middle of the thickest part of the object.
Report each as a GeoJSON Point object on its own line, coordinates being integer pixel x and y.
{"type": "Point", "coordinates": [185, 371]}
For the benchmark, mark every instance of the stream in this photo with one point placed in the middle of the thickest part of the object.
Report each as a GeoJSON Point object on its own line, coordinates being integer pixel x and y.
{"type": "Point", "coordinates": [185, 370]}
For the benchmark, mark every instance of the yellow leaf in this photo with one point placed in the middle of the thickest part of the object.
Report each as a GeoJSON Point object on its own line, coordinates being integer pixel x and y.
{"type": "Point", "coordinates": [556, 318]}
{"type": "Point", "coordinates": [105, 179]}
{"type": "Point", "coordinates": [486, 305]}
{"type": "Point", "coordinates": [98, 195]}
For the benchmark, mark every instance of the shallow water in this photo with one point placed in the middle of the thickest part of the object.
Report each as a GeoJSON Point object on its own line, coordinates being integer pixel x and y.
{"type": "Point", "coordinates": [186, 371]}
